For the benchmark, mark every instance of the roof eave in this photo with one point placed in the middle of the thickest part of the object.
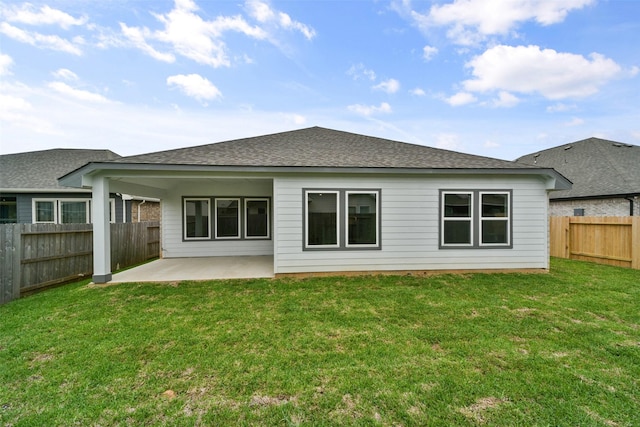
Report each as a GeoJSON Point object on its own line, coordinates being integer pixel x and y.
{"type": "Point", "coordinates": [76, 177]}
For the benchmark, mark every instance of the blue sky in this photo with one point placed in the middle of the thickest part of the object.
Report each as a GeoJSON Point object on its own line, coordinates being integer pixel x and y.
{"type": "Point", "coordinates": [499, 78]}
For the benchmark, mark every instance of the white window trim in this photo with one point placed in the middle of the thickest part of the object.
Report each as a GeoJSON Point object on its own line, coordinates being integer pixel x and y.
{"type": "Point", "coordinates": [470, 219]}
{"type": "Point", "coordinates": [306, 219]}
{"type": "Point", "coordinates": [377, 225]}
{"type": "Point", "coordinates": [34, 211]}
{"type": "Point", "coordinates": [215, 219]}
{"type": "Point", "coordinates": [87, 211]}
{"type": "Point", "coordinates": [184, 218]}
{"type": "Point", "coordinates": [246, 217]}
{"type": "Point", "coordinates": [493, 218]}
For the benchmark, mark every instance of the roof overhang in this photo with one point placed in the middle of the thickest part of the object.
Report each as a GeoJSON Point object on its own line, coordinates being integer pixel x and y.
{"type": "Point", "coordinates": [83, 177]}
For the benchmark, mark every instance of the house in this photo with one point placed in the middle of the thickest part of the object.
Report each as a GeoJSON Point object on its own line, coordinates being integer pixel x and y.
{"type": "Point", "coordinates": [30, 192]}
{"type": "Point", "coordinates": [321, 200]}
{"type": "Point", "coordinates": [605, 176]}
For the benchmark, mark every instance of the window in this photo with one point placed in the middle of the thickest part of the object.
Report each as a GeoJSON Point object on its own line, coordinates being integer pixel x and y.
{"type": "Point", "coordinates": [256, 215]}
{"type": "Point", "coordinates": [362, 218]}
{"type": "Point", "coordinates": [233, 218]}
{"type": "Point", "coordinates": [322, 219]}
{"type": "Point", "coordinates": [197, 213]}
{"type": "Point", "coordinates": [73, 211]}
{"type": "Point", "coordinates": [475, 219]}
{"type": "Point", "coordinates": [342, 219]}
{"type": "Point", "coordinates": [8, 210]}
{"type": "Point", "coordinates": [494, 219]}
{"type": "Point", "coordinates": [457, 220]}
{"type": "Point", "coordinates": [227, 218]}
{"type": "Point", "coordinates": [44, 211]}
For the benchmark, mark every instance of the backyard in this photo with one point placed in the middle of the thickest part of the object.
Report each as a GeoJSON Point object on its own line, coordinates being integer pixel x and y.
{"type": "Point", "coordinates": [561, 348]}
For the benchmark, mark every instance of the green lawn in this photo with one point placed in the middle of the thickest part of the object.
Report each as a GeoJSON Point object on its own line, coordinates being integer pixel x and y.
{"type": "Point", "coordinates": [496, 349]}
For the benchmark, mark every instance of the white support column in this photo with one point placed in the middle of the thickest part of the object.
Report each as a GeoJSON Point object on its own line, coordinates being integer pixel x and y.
{"type": "Point", "coordinates": [101, 231]}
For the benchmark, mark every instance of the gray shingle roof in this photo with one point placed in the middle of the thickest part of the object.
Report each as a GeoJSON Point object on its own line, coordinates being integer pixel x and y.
{"type": "Point", "coordinates": [41, 169]}
{"type": "Point", "coordinates": [597, 167]}
{"type": "Point", "coordinates": [320, 147]}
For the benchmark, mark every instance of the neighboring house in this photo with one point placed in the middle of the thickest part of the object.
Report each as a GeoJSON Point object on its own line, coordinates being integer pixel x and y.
{"type": "Point", "coordinates": [605, 176]}
{"type": "Point", "coordinates": [320, 200]}
{"type": "Point", "coordinates": [30, 192]}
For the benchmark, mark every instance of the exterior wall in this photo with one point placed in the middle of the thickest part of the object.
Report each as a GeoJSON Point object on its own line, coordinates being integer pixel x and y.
{"type": "Point", "coordinates": [149, 211]}
{"type": "Point", "coordinates": [24, 203]}
{"type": "Point", "coordinates": [594, 207]}
{"type": "Point", "coordinates": [410, 221]}
{"type": "Point", "coordinates": [173, 245]}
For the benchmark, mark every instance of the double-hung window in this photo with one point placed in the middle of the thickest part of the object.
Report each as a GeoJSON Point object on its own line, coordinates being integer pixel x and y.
{"type": "Point", "coordinates": [342, 219]}
{"type": "Point", "coordinates": [475, 219]}
{"type": "Point", "coordinates": [73, 211]}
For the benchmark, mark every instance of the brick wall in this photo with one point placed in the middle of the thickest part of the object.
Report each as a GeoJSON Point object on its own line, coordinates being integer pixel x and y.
{"type": "Point", "coordinates": [149, 211]}
{"type": "Point", "coordinates": [594, 207]}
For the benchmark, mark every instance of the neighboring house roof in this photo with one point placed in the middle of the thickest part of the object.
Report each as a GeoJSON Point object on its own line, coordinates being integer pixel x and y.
{"type": "Point", "coordinates": [315, 148]}
{"type": "Point", "coordinates": [40, 170]}
{"type": "Point", "coordinates": [597, 167]}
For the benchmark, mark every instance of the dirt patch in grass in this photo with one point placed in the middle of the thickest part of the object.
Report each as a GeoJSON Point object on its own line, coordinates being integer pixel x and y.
{"type": "Point", "coordinates": [478, 410]}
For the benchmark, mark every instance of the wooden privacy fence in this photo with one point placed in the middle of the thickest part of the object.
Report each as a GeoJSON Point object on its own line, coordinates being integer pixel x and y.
{"type": "Point", "coordinates": [605, 240]}
{"type": "Point", "coordinates": [34, 256]}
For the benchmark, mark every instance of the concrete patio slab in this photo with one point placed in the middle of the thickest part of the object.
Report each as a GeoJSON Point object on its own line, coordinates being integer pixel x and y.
{"type": "Point", "coordinates": [208, 268]}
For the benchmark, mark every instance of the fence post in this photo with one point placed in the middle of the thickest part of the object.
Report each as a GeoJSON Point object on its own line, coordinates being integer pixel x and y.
{"type": "Point", "coordinates": [635, 242]}
{"type": "Point", "coordinates": [17, 257]}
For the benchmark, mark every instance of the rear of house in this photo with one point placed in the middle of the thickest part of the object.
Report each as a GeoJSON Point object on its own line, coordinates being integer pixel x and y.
{"type": "Point", "coordinates": [320, 200]}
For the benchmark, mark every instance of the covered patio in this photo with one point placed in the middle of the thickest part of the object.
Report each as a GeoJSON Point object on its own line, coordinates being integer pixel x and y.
{"type": "Point", "coordinates": [204, 268]}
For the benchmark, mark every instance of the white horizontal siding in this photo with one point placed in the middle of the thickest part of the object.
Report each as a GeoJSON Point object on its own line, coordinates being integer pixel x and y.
{"type": "Point", "coordinates": [410, 221]}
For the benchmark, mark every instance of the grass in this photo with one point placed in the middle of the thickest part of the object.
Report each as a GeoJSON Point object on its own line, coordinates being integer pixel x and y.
{"type": "Point", "coordinates": [481, 349]}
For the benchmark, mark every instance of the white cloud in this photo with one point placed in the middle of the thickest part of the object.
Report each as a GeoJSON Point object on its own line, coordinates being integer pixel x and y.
{"type": "Point", "coordinates": [359, 71]}
{"type": "Point", "coordinates": [5, 64]}
{"type": "Point", "coordinates": [265, 14]}
{"type": "Point", "coordinates": [195, 86]}
{"type": "Point", "coordinates": [428, 52]}
{"type": "Point", "coordinates": [576, 121]}
{"type": "Point", "coordinates": [137, 37]}
{"type": "Point", "coordinates": [460, 98]}
{"type": "Point", "coordinates": [560, 108]}
{"type": "Point", "coordinates": [26, 14]}
{"type": "Point", "coordinates": [388, 86]}
{"type": "Point", "coordinates": [417, 92]}
{"type": "Point", "coordinates": [370, 110]}
{"type": "Point", "coordinates": [42, 41]}
{"type": "Point", "coordinates": [529, 69]}
{"type": "Point", "coordinates": [471, 21]}
{"type": "Point", "coordinates": [505, 99]}
{"type": "Point", "coordinates": [79, 94]}
{"type": "Point", "coordinates": [65, 74]}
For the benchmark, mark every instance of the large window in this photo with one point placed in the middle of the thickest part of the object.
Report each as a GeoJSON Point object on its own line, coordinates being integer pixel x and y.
{"type": "Point", "coordinates": [227, 218]}
{"type": "Point", "coordinates": [197, 213]}
{"type": "Point", "coordinates": [322, 225]}
{"type": "Point", "coordinates": [66, 211]}
{"type": "Point", "coordinates": [475, 219]}
{"type": "Point", "coordinates": [342, 219]}
{"type": "Point", "coordinates": [362, 218]}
